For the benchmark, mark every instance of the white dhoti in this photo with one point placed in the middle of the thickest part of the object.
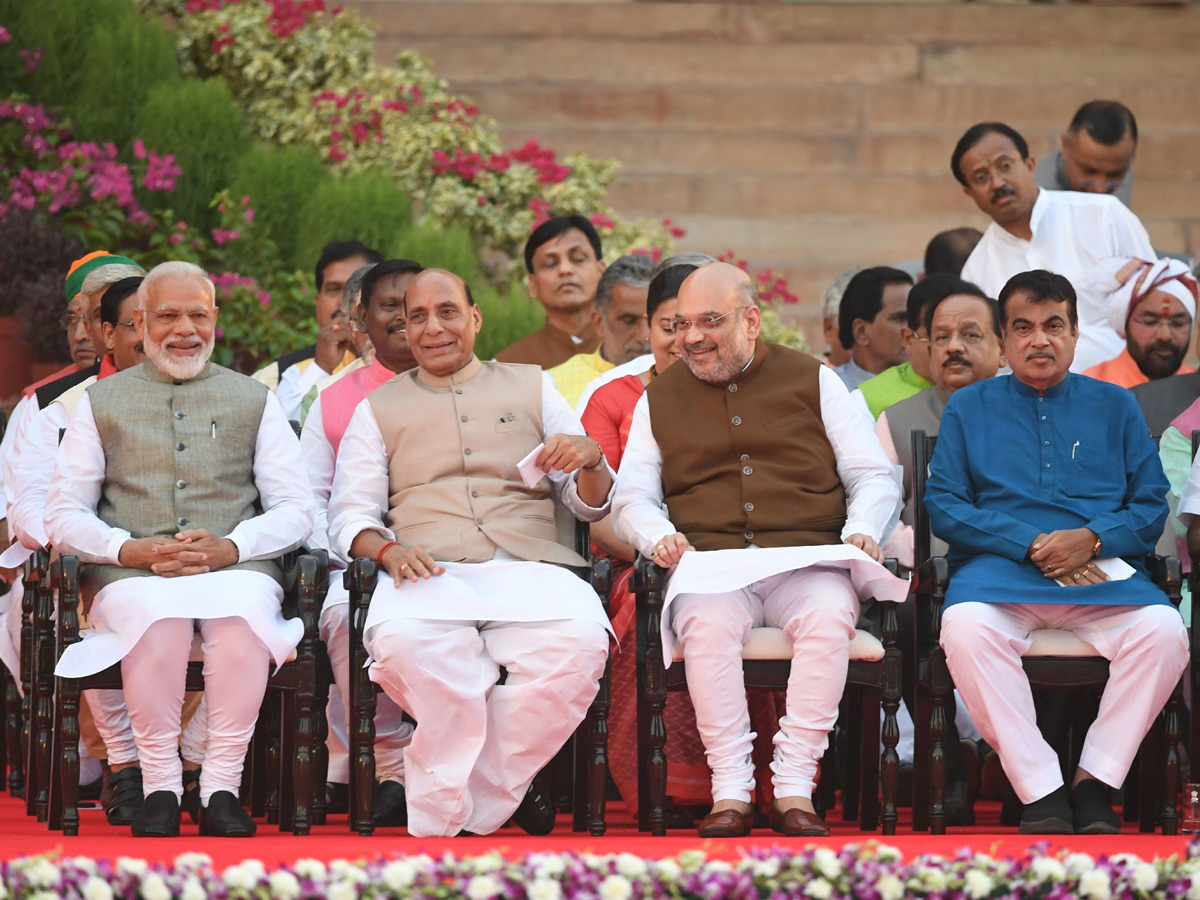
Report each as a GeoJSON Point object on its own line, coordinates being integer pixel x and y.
{"type": "Point", "coordinates": [478, 744]}
{"type": "Point", "coordinates": [813, 594]}
{"type": "Point", "coordinates": [10, 630]}
{"type": "Point", "coordinates": [1147, 650]}
{"type": "Point", "coordinates": [392, 733]}
{"type": "Point", "coordinates": [148, 624]}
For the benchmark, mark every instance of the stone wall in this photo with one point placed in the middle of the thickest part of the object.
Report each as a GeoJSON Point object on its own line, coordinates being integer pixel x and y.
{"type": "Point", "coordinates": [814, 137]}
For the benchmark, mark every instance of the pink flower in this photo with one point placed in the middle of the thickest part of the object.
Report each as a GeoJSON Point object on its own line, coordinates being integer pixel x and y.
{"type": "Point", "coordinates": [140, 217]}
{"type": "Point", "coordinates": [5, 37]}
{"type": "Point", "coordinates": [264, 299]}
{"type": "Point", "coordinates": [336, 154]}
{"type": "Point", "coordinates": [176, 239]}
{"type": "Point", "coordinates": [32, 58]}
{"type": "Point", "coordinates": [249, 215]}
{"type": "Point", "coordinates": [181, 225]}
{"type": "Point", "coordinates": [602, 221]}
{"type": "Point", "coordinates": [219, 333]}
{"type": "Point", "coordinates": [245, 199]}
{"type": "Point", "coordinates": [110, 150]}
{"type": "Point", "coordinates": [481, 200]}
{"type": "Point", "coordinates": [221, 237]}
{"type": "Point", "coordinates": [139, 149]}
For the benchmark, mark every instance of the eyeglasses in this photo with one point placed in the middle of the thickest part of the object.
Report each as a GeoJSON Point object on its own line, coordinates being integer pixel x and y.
{"type": "Point", "coordinates": [1177, 322]}
{"type": "Point", "coordinates": [70, 320]}
{"type": "Point", "coordinates": [703, 324]}
{"type": "Point", "coordinates": [128, 325]}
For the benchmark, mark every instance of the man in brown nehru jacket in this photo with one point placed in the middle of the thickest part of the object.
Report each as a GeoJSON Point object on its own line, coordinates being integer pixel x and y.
{"type": "Point", "coordinates": [777, 497]}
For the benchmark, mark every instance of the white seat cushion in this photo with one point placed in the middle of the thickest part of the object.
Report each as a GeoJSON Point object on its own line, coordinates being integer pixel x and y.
{"type": "Point", "coordinates": [771, 643]}
{"type": "Point", "coordinates": [1055, 642]}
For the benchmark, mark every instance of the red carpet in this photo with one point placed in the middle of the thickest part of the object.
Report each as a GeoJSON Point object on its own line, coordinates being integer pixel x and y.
{"type": "Point", "coordinates": [23, 836]}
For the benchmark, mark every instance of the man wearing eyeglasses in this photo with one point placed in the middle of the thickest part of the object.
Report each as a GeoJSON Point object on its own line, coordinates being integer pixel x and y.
{"type": "Point", "coordinates": [750, 473]}
{"type": "Point", "coordinates": [1067, 232]}
{"type": "Point", "coordinates": [1152, 305]}
{"type": "Point", "coordinates": [180, 483]}
{"type": "Point", "coordinates": [1095, 156]}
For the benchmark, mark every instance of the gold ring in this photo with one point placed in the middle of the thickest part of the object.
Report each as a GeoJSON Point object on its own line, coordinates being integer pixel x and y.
{"type": "Point", "coordinates": [1049, 569]}
{"type": "Point", "coordinates": [1091, 565]}
{"type": "Point", "coordinates": [1075, 575]}
{"type": "Point", "coordinates": [403, 566]}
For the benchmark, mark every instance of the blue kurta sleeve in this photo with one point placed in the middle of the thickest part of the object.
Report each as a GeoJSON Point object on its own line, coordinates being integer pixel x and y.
{"type": "Point", "coordinates": [950, 499]}
{"type": "Point", "coordinates": [1134, 528]}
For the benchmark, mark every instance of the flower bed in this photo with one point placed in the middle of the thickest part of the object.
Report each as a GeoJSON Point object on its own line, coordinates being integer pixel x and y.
{"type": "Point", "coordinates": [869, 871]}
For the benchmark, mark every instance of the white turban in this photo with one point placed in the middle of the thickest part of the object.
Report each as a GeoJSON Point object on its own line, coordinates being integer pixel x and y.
{"type": "Point", "coordinates": [1128, 280]}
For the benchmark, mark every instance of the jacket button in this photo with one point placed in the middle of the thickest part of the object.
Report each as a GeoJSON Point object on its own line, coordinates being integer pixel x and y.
{"type": "Point", "coordinates": [747, 470]}
{"type": "Point", "coordinates": [467, 451]}
{"type": "Point", "coordinates": [458, 390]}
{"type": "Point", "coordinates": [745, 457]}
{"type": "Point", "coordinates": [178, 414]}
{"type": "Point", "coordinates": [181, 484]}
{"type": "Point", "coordinates": [479, 521]}
{"type": "Point", "coordinates": [462, 418]}
{"type": "Point", "coordinates": [733, 389]}
{"type": "Point", "coordinates": [749, 535]}
{"type": "Point", "coordinates": [749, 507]}
{"type": "Point", "coordinates": [474, 493]}
{"type": "Point", "coordinates": [737, 420]}
{"type": "Point", "coordinates": [181, 521]}
{"type": "Point", "coordinates": [179, 446]}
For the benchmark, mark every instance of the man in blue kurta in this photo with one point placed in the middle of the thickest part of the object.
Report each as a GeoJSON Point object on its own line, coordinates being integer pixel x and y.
{"type": "Point", "coordinates": [1047, 487]}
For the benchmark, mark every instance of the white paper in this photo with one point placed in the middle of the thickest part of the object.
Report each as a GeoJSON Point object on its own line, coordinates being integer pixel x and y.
{"type": "Point", "coordinates": [531, 472]}
{"type": "Point", "coordinates": [14, 556]}
{"type": "Point", "coordinates": [1114, 567]}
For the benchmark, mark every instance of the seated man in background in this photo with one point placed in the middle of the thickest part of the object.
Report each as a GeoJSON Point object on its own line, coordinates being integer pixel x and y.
{"type": "Point", "coordinates": [1049, 530]}
{"type": "Point", "coordinates": [565, 261]}
{"type": "Point", "coordinates": [473, 575]}
{"type": "Point", "coordinates": [871, 318]}
{"type": "Point", "coordinates": [947, 252]}
{"type": "Point", "coordinates": [831, 301]}
{"type": "Point", "coordinates": [292, 375]}
{"type": "Point", "coordinates": [619, 318]}
{"type": "Point", "coordinates": [165, 506]}
{"type": "Point", "coordinates": [1095, 155]}
{"type": "Point", "coordinates": [756, 448]}
{"type": "Point", "coordinates": [1152, 306]}
{"type": "Point", "coordinates": [382, 313]}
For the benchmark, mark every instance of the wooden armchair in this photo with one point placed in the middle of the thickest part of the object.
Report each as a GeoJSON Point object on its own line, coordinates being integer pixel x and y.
{"type": "Point", "coordinates": [591, 738]}
{"type": "Point", "coordinates": [872, 685]}
{"type": "Point", "coordinates": [298, 678]}
{"type": "Point", "coordinates": [1058, 660]}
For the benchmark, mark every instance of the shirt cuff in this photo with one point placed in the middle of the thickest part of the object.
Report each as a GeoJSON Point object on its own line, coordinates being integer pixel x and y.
{"type": "Point", "coordinates": [118, 539]}
{"type": "Point", "coordinates": [346, 537]}
{"type": "Point", "coordinates": [859, 526]}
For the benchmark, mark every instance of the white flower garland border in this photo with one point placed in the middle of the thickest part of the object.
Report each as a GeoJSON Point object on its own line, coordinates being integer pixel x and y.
{"type": "Point", "coordinates": [869, 871]}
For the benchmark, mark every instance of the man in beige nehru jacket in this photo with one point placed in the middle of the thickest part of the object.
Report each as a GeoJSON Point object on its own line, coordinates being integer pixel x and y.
{"type": "Point", "coordinates": [427, 485]}
{"type": "Point", "coordinates": [750, 472]}
{"type": "Point", "coordinates": [180, 482]}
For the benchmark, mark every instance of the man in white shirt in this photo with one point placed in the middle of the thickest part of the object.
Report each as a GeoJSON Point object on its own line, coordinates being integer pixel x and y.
{"type": "Point", "coordinates": [430, 459]}
{"type": "Point", "coordinates": [755, 452]}
{"type": "Point", "coordinates": [181, 521]}
{"type": "Point", "coordinates": [1066, 232]}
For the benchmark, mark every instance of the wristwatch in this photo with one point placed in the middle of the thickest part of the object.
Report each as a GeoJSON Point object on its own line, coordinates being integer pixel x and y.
{"type": "Point", "coordinates": [1096, 548]}
{"type": "Point", "coordinates": [600, 464]}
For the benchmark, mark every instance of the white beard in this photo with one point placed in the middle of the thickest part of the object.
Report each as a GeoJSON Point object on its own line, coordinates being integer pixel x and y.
{"type": "Point", "coordinates": [180, 369]}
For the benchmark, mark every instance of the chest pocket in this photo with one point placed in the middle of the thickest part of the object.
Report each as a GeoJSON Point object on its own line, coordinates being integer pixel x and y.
{"type": "Point", "coordinates": [1094, 474]}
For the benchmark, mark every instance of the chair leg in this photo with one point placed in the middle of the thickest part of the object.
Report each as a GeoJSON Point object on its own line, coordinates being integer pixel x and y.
{"type": "Point", "coordinates": [274, 766]}
{"type": "Point", "coordinates": [1132, 805]}
{"type": "Point", "coordinates": [597, 780]}
{"type": "Point", "coordinates": [1171, 786]}
{"type": "Point", "coordinates": [68, 767]}
{"type": "Point", "coordinates": [921, 763]}
{"type": "Point", "coordinates": [28, 758]}
{"type": "Point", "coordinates": [13, 728]}
{"type": "Point", "coordinates": [44, 663]}
{"type": "Point", "coordinates": [937, 738]}
{"type": "Point", "coordinates": [290, 755]}
{"type": "Point", "coordinates": [320, 771]}
{"type": "Point", "coordinates": [870, 711]}
{"type": "Point", "coordinates": [1150, 777]}
{"type": "Point", "coordinates": [850, 724]}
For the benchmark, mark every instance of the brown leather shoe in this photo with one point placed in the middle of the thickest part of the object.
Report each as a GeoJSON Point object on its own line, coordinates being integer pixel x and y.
{"type": "Point", "coordinates": [726, 823]}
{"type": "Point", "coordinates": [797, 823]}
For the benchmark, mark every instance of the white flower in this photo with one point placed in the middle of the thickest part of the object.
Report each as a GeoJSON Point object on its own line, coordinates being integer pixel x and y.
{"type": "Point", "coordinates": [1078, 863]}
{"type": "Point", "coordinates": [819, 889]}
{"type": "Point", "coordinates": [488, 862]}
{"type": "Point", "coordinates": [45, 895]}
{"type": "Point", "coordinates": [977, 884]}
{"type": "Point", "coordinates": [342, 890]}
{"type": "Point", "coordinates": [482, 887]}
{"type": "Point", "coordinates": [83, 864]}
{"type": "Point", "coordinates": [1194, 891]}
{"type": "Point", "coordinates": [827, 863]}
{"type": "Point", "coordinates": [631, 866]}
{"type": "Point", "coordinates": [544, 889]}
{"type": "Point", "coordinates": [886, 853]}
{"type": "Point", "coordinates": [255, 867]}
{"type": "Point", "coordinates": [1125, 859]}
{"type": "Point", "coordinates": [343, 870]}
{"type": "Point", "coordinates": [1094, 884]}
{"type": "Point", "coordinates": [312, 869]}
{"type": "Point", "coordinates": [155, 888]}
{"type": "Point", "coordinates": [667, 870]}
{"type": "Point", "coordinates": [192, 889]}
{"type": "Point", "coordinates": [1145, 877]}
{"type": "Point", "coordinates": [765, 868]}
{"type": "Point", "coordinates": [240, 877]}
{"type": "Point", "coordinates": [1047, 868]}
{"type": "Point", "coordinates": [127, 865]}
{"type": "Point", "coordinates": [96, 888]}
{"type": "Point", "coordinates": [890, 887]}
{"type": "Point", "coordinates": [399, 874]}
{"type": "Point", "coordinates": [933, 878]}
{"type": "Point", "coordinates": [284, 885]}
{"type": "Point", "coordinates": [192, 860]}
{"type": "Point", "coordinates": [547, 865]}
{"type": "Point", "coordinates": [616, 887]}
{"type": "Point", "coordinates": [717, 867]}
{"type": "Point", "coordinates": [43, 873]}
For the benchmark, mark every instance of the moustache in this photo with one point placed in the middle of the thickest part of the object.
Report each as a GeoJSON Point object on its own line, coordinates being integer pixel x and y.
{"type": "Point", "coordinates": [1002, 192]}
{"type": "Point", "coordinates": [1041, 354]}
{"type": "Point", "coordinates": [399, 326]}
{"type": "Point", "coordinates": [954, 359]}
{"type": "Point", "coordinates": [699, 345]}
{"type": "Point", "coordinates": [1172, 348]}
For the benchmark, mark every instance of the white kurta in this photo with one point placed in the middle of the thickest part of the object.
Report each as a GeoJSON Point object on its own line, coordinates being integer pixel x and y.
{"type": "Point", "coordinates": [28, 503]}
{"type": "Point", "coordinates": [873, 503]}
{"type": "Point", "coordinates": [359, 503]}
{"type": "Point", "coordinates": [1189, 502]}
{"type": "Point", "coordinates": [6, 448]}
{"type": "Point", "coordinates": [14, 440]}
{"type": "Point", "coordinates": [1072, 233]}
{"type": "Point", "coordinates": [294, 384]}
{"type": "Point", "coordinates": [123, 610]}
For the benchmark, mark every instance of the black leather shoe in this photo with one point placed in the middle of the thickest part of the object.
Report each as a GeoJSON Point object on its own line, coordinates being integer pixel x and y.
{"type": "Point", "coordinates": [158, 817]}
{"type": "Point", "coordinates": [125, 796]}
{"type": "Point", "coordinates": [956, 801]}
{"type": "Point", "coordinates": [190, 803]}
{"type": "Point", "coordinates": [1049, 815]}
{"type": "Point", "coordinates": [337, 798]}
{"type": "Point", "coordinates": [391, 807]}
{"type": "Point", "coordinates": [224, 817]}
{"type": "Point", "coordinates": [1093, 814]}
{"type": "Point", "coordinates": [536, 813]}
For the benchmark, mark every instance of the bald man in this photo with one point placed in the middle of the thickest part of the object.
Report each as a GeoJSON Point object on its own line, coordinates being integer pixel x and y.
{"type": "Point", "coordinates": [475, 578]}
{"type": "Point", "coordinates": [755, 452]}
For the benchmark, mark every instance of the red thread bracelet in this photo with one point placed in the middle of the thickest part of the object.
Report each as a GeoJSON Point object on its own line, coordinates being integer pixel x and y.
{"type": "Point", "coordinates": [384, 549]}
